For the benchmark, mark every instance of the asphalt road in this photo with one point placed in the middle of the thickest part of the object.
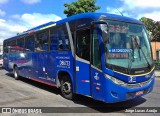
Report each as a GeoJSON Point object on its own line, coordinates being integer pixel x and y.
{"type": "Point", "coordinates": [27, 93]}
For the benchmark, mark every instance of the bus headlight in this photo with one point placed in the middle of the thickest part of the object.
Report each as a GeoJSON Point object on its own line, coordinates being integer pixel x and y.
{"type": "Point", "coordinates": [116, 81]}
{"type": "Point", "coordinates": [153, 75]}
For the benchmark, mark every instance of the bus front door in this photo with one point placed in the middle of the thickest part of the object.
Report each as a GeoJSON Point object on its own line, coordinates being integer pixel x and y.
{"type": "Point", "coordinates": [83, 62]}
{"type": "Point", "coordinates": [97, 80]}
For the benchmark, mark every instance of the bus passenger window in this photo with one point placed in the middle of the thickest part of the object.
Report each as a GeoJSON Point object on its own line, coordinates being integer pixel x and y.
{"type": "Point", "coordinates": [5, 50]}
{"type": "Point", "coordinates": [59, 39]}
{"type": "Point", "coordinates": [64, 39]}
{"type": "Point", "coordinates": [20, 42]}
{"type": "Point", "coordinates": [29, 43]}
{"type": "Point", "coordinates": [12, 46]}
{"type": "Point", "coordinates": [20, 45]}
{"type": "Point", "coordinates": [54, 39]}
{"type": "Point", "coordinates": [42, 41]}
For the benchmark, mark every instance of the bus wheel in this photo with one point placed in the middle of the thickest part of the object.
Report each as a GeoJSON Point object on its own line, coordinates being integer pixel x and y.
{"type": "Point", "coordinates": [16, 73]}
{"type": "Point", "coordinates": [66, 88]}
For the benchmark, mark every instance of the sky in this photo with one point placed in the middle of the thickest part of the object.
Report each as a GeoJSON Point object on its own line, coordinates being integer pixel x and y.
{"type": "Point", "coordinates": [17, 16]}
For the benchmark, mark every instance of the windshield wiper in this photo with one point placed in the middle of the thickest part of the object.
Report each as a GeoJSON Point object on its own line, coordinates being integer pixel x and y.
{"type": "Point", "coordinates": [131, 60]}
{"type": "Point", "coordinates": [139, 47]}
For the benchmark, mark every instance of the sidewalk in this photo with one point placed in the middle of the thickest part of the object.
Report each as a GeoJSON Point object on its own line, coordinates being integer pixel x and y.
{"type": "Point", "coordinates": [157, 73]}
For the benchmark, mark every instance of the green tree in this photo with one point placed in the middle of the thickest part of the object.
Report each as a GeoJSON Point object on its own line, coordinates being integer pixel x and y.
{"type": "Point", "coordinates": [81, 6]}
{"type": "Point", "coordinates": [152, 26]}
{"type": "Point", "coordinates": [149, 23]}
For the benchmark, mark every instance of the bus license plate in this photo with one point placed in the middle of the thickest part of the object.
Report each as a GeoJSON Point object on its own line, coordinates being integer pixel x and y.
{"type": "Point", "coordinates": [139, 93]}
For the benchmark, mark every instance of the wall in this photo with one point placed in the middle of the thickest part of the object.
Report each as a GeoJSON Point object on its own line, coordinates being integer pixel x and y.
{"type": "Point", "coordinates": [155, 46]}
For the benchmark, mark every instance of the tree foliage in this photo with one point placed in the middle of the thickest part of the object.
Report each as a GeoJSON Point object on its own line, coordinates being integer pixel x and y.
{"type": "Point", "coordinates": [81, 6]}
{"type": "Point", "coordinates": [152, 26]}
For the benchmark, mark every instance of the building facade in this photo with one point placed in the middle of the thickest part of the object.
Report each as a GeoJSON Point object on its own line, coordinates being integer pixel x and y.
{"type": "Point", "coordinates": [156, 50]}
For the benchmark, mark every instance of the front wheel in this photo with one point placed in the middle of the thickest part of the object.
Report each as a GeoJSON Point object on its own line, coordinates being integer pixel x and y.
{"type": "Point", "coordinates": [16, 73]}
{"type": "Point", "coordinates": [66, 88]}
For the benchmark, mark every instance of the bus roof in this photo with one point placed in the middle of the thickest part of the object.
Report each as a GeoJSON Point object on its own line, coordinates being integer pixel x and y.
{"type": "Point", "coordinates": [94, 16]}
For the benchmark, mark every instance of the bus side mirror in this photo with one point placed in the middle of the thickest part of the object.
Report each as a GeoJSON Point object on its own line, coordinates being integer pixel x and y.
{"type": "Point", "coordinates": [104, 28]}
{"type": "Point", "coordinates": [105, 33]}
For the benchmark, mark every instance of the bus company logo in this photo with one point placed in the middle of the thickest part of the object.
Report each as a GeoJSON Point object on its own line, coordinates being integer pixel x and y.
{"type": "Point", "coordinates": [132, 79]}
{"type": "Point", "coordinates": [147, 76]}
{"type": "Point", "coordinates": [6, 110]}
{"type": "Point", "coordinates": [64, 63]}
{"type": "Point", "coordinates": [96, 76]}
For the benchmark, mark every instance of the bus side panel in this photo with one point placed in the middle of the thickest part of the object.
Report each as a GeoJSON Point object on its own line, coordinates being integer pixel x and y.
{"type": "Point", "coordinates": [6, 62]}
{"type": "Point", "coordinates": [51, 71]}
{"type": "Point", "coordinates": [25, 64]}
{"type": "Point", "coordinates": [83, 78]}
{"type": "Point", "coordinates": [64, 61]}
{"type": "Point", "coordinates": [9, 61]}
{"type": "Point", "coordinates": [43, 67]}
{"type": "Point", "coordinates": [46, 65]}
{"type": "Point", "coordinates": [16, 59]}
{"type": "Point", "coordinates": [97, 84]}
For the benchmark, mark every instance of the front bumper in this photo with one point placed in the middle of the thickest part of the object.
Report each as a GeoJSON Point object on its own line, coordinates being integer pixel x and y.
{"type": "Point", "coordinates": [117, 93]}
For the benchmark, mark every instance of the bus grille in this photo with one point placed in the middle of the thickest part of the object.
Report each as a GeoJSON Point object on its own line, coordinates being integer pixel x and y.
{"type": "Point", "coordinates": [137, 85]}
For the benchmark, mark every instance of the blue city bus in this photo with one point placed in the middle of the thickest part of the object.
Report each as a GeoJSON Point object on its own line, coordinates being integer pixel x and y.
{"type": "Point", "coordinates": [103, 56]}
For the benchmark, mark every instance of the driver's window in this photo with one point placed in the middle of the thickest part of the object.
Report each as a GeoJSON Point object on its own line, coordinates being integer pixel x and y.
{"type": "Point", "coordinates": [83, 44]}
{"type": "Point", "coordinates": [96, 58]}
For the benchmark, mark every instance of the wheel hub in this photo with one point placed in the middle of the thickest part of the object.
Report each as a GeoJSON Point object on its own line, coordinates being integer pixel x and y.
{"type": "Point", "coordinates": [15, 73]}
{"type": "Point", "coordinates": [67, 87]}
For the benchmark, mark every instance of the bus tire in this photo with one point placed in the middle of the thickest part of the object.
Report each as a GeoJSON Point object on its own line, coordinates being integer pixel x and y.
{"type": "Point", "coordinates": [16, 73]}
{"type": "Point", "coordinates": [66, 88]}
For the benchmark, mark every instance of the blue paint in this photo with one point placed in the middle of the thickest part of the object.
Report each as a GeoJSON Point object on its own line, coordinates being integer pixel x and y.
{"type": "Point", "coordinates": [86, 80]}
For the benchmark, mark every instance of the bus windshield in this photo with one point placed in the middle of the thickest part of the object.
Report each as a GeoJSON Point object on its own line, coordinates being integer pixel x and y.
{"type": "Point", "coordinates": [128, 45]}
